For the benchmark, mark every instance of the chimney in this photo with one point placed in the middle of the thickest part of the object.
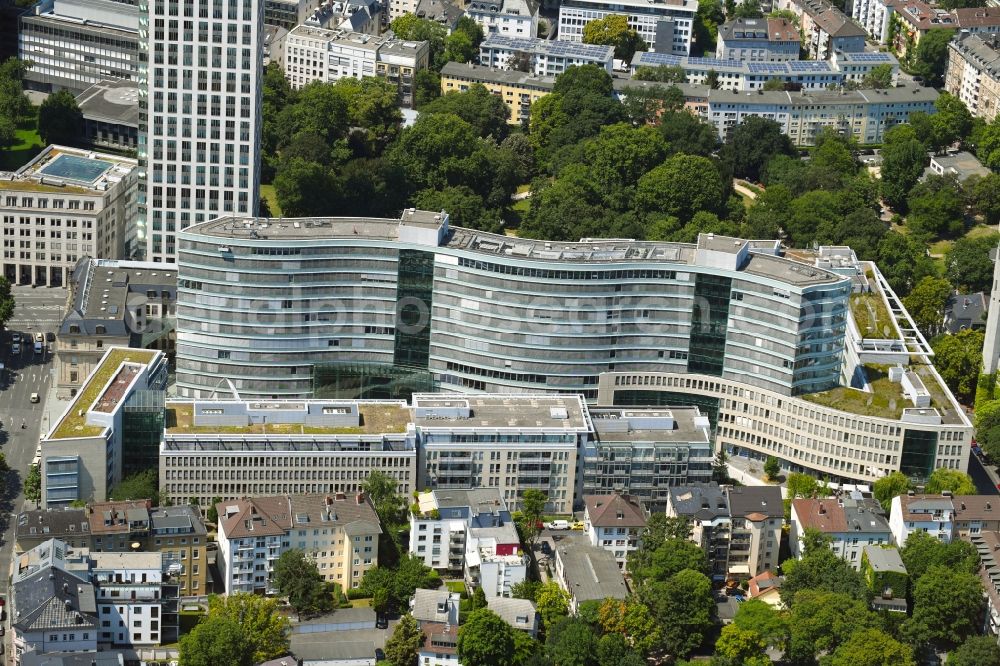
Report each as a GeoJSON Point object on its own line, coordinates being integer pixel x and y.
{"type": "Point", "coordinates": [360, 497]}
{"type": "Point", "coordinates": [822, 509]}
{"type": "Point", "coordinates": [328, 500]}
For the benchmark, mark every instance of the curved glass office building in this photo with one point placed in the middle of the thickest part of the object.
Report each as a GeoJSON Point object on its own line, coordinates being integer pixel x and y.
{"type": "Point", "coordinates": [376, 308]}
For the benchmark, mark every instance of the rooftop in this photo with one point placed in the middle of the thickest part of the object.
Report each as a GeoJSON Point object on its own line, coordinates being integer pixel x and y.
{"type": "Point", "coordinates": [330, 647]}
{"type": "Point", "coordinates": [976, 507]}
{"type": "Point", "coordinates": [614, 511]}
{"type": "Point", "coordinates": [589, 572]}
{"type": "Point", "coordinates": [177, 520]}
{"type": "Point", "coordinates": [884, 559]}
{"type": "Point", "coordinates": [962, 164]}
{"type": "Point", "coordinates": [49, 523]}
{"type": "Point", "coordinates": [122, 517]}
{"type": "Point", "coordinates": [376, 418]}
{"type": "Point", "coordinates": [74, 421]}
{"type": "Point", "coordinates": [765, 500]}
{"type": "Point", "coordinates": [767, 29]}
{"type": "Point", "coordinates": [677, 424]}
{"type": "Point", "coordinates": [432, 605]}
{"type": "Point", "coordinates": [560, 412]}
{"type": "Point", "coordinates": [700, 501]}
{"type": "Point", "coordinates": [977, 17]}
{"type": "Point", "coordinates": [518, 613]}
{"type": "Point", "coordinates": [273, 516]}
{"type": "Point", "coordinates": [114, 101]}
{"type": "Point", "coordinates": [105, 290]}
{"type": "Point", "coordinates": [69, 170]}
{"type": "Point", "coordinates": [832, 517]}
{"type": "Point", "coordinates": [548, 47]}
{"type": "Point", "coordinates": [124, 561]}
{"type": "Point", "coordinates": [498, 76]}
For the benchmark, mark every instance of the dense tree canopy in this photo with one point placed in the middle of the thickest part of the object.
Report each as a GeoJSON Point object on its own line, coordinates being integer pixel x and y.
{"type": "Point", "coordinates": [614, 30]}
{"type": "Point", "coordinates": [297, 578]}
{"type": "Point", "coordinates": [60, 120]}
{"type": "Point", "coordinates": [751, 144]}
{"type": "Point", "coordinates": [958, 359]}
{"type": "Point", "coordinates": [485, 639]}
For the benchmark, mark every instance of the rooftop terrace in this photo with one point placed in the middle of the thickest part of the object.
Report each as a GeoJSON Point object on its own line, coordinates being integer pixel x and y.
{"type": "Point", "coordinates": [375, 420]}
{"type": "Point", "coordinates": [74, 422]}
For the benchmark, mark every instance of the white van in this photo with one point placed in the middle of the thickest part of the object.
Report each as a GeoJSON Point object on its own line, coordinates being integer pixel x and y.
{"type": "Point", "coordinates": [39, 343]}
{"type": "Point", "coordinates": [558, 525]}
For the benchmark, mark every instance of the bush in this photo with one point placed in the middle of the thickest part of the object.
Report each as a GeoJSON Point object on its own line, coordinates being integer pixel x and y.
{"type": "Point", "coordinates": [357, 593]}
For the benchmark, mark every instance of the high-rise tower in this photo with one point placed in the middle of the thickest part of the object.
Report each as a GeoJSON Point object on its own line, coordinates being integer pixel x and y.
{"type": "Point", "coordinates": [200, 79]}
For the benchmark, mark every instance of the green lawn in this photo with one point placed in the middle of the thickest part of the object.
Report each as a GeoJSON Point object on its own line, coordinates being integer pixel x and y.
{"type": "Point", "coordinates": [863, 307]}
{"type": "Point", "coordinates": [457, 586]}
{"type": "Point", "coordinates": [268, 194]}
{"type": "Point", "coordinates": [885, 399]}
{"type": "Point", "coordinates": [26, 145]}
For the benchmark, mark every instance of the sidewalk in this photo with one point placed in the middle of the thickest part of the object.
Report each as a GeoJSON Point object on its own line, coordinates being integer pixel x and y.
{"type": "Point", "coordinates": [749, 472]}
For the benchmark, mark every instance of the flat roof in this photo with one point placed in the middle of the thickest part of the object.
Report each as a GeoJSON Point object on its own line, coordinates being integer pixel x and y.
{"type": "Point", "coordinates": [507, 77]}
{"type": "Point", "coordinates": [258, 231]}
{"type": "Point", "coordinates": [549, 47]}
{"type": "Point", "coordinates": [101, 291]}
{"type": "Point", "coordinates": [551, 412]}
{"type": "Point", "coordinates": [376, 418]}
{"type": "Point", "coordinates": [114, 101]}
{"type": "Point", "coordinates": [69, 170]}
{"type": "Point", "coordinates": [74, 422]}
{"type": "Point", "coordinates": [126, 560]}
{"type": "Point", "coordinates": [607, 423]}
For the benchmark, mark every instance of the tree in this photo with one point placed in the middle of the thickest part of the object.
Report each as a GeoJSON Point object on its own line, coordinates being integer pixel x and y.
{"type": "Point", "coordinates": [890, 486]}
{"type": "Point", "coordinates": [526, 589]}
{"type": "Point", "coordinates": [298, 578]}
{"type": "Point", "coordinates": [613, 650]}
{"type": "Point", "coordinates": [661, 74]}
{"type": "Point", "coordinates": [956, 481]}
{"type": "Point", "coordinates": [681, 187]}
{"type": "Point", "coordinates": [402, 647]}
{"type": "Point", "coordinates": [632, 620]}
{"type": "Point", "coordinates": [986, 197]}
{"type": "Point", "coordinates": [383, 491]}
{"type": "Point", "coordinates": [923, 551]}
{"type": "Point", "coordinates": [241, 629]}
{"type": "Point", "coordinates": [485, 640]}
{"type": "Point", "coordinates": [764, 620]}
{"type": "Point", "coordinates": [821, 621]}
{"type": "Point", "coordinates": [304, 188]}
{"type": "Point", "coordinates": [684, 608]}
{"type": "Point", "coordinates": [532, 507]}
{"type": "Point", "coordinates": [644, 104]}
{"type": "Point", "coordinates": [903, 158]}
{"type": "Point", "coordinates": [931, 57]}
{"type": "Point", "coordinates": [673, 556]}
{"type": "Point", "coordinates": [213, 512]}
{"type": "Point", "coordinates": [946, 605]}
{"type": "Point", "coordinates": [14, 104]}
{"type": "Point", "coordinates": [821, 570]}
{"type": "Point", "coordinates": [752, 143]}
{"type": "Point", "coordinates": [465, 207]}
{"type": "Point", "coordinates": [33, 484]}
{"type": "Point", "coordinates": [772, 467]}
{"type": "Point", "coordinates": [774, 84]}
{"type": "Point", "coordinates": [952, 122]}
{"type": "Point", "coordinates": [141, 485]}
{"type": "Point", "coordinates": [686, 133]}
{"type": "Point", "coordinates": [409, 26]}
{"type": "Point", "coordinates": [872, 647]}
{"type": "Point", "coordinates": [613, 30]}
{"type": "Point", "coordinates": [59, 119]}
{"type": "Point", "coordinates": [958, 358]}
{"type": "Point", "coordinates": [975, 651]}
{"type": "Point", "coordinates": [571, 642]}
{"type": "Point", "coordinates": [926, 304]}
{"type": "Point", "coordinates": [937, 208]}
{"type": "Point", "coordinates": [426, 87]}
{"type": "Point", "coordinates": [552, 603]}
{"type": "Point", "coordinates": [741, 646]}
{"type": "Point", "coordinates": [712, 79]}
{"type": "Point", "coordinates": [485, 112]}
{"type": "Point", "coordinates": [879, 77]}
{"type": "Point", "coordinates": [400, 582]}
{"type": "Point", "coordinates": [805, 486]}
{"type": "Point", "coordinates": [748, 9]}
{"type": "Point", "coordinates": [968, 265]}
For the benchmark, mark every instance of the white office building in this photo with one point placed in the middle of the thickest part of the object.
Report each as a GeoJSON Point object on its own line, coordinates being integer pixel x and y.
{"type": "Point", "coordinates": [665, 25]}
{"type": "Point", "coordinates": [200, 103]}
{"type": "Point", "coordinates": [514, 18]}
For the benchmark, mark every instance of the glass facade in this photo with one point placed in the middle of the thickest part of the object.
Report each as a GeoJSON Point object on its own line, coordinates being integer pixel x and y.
{"type": "Point", "coordinates": [142, 429]}
{"type": "Point", "coordinates": [709, 317]}
{"type": "Point", "coordinates": [414, 295]}
{"type": "Point", "coordinates": [707, 405]}
{"type": "Point", "coordinates": [369, 381]}
{"type": "Point", "coordinates": [919, 449]}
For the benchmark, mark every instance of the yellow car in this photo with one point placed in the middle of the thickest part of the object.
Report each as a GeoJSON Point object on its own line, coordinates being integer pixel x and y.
{"type": "Point", "coordinates": [577, 526]}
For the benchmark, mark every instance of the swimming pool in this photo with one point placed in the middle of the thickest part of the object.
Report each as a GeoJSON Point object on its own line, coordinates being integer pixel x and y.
{"type": "Point", "coordinates": [76, 169]}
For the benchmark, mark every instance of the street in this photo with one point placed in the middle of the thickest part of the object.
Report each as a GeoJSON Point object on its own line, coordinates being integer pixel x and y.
{"type": "Point", "coordinates": [38, 310]}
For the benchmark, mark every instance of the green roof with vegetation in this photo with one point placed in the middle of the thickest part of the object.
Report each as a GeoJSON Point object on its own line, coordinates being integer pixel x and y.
{"type": "Point", "coordinates": [74, 424]}
{"type": "Point", "coordinates": [375, 420]}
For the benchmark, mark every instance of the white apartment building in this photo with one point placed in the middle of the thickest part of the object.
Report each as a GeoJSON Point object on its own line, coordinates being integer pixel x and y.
{"type": "Point", "coordinates": [933, 514]}
{"type": "Point", "coordinates": [874, 16]}
{"type": "Point", "coordinates": [339, 532]}
{"type": "Point", "coordinates": [199, 116]}
{"type": "Point", "coordinates": [515, 18]}
{"type": "Point", "coordinates": [665, 25]}
{"type": "Point", "coordinates": [397, 8]}
{"type": "Point", "coordinates": [510, 443]}
{"type": "Point", "coordinates": [136, 600]}
{"type": "Point", "coordinates": [440, 519]}
{"type": "Point", "coordinates": [73, 44]}
{"type": "Point", "coordinates": [758, 40]}
{"type": "Point", "coordinates": [851, 524]}
{"type": "Point", "coordinates": [231, 448]}
{"type": "Point", "coordinates": [317, 54]}
{"type": "Point", "coordinates": [547, 57]}
{"type": "Point", "coordinates": [614, 523]}
{"type": "Point", "coordinates": [63, 205]}
{"type": "Point", "coordinates": [493, 557]}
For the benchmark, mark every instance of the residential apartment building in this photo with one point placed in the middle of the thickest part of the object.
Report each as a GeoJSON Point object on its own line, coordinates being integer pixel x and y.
{"type": "Point", "coordinates": [83, 453]}
{"type": "Point", "coordinates": [977, 20]}
{"type": "Point", "coordinates": [288, 13]}
{"type": "Point", "coordinates": [875, 17]}
{"type": "Point", "coordinates": [67, 524]}
{"type": "Point", "coordinates": [614, 523]}
{"type": "Point", "coordinates": [911, 20]}
{"type": "Point", "coordinates": [545, 57]}
{"type": "Point", "coordinates": [493, 557]}
{"type": "Point", "coordinates": [113, 304]}
{"type": "Point", "coordinates": [179, 535]}
{"type": "Point", "coordinates": [642, 453]}
{"type": "Point", "coordinates": [587, 573]}
{"type": "Point", "coordinates": [706, 508]}
{"type": "Point", "coordinates": [440, 520]}
{"type": "Point", "coordinates": [317, 54]}
{"type": "Point", "coordinates": [199, 103]}
{"type": "Point", "coordinates": [509, 442]}
{"type": "Point", "coordinates": [363, 16]}
{"type": "Point", "coordinates": [339, 532]}
{"type": "Point", "coordinates": [136, 599]}
{"type": "Point", "coordinates": [933, 514]}
{"type": "Point", "coordinates": [518, 90]}
{"type": "Point", "coordinates": [52, 604]}
{"type": "Point", "coordinates": [805, 75]}
{"type": "Point", "coordinates": [825, 29]}
{"type": "Point", "coordinates": [64, 204]}
{"type": "Point", "coordinates": [886, 576]}
{"type": "Point", "coordinates": [758, 40]}
{"type": "Point", "coordinates": [73, 44]}
{"type": "Point", "coordinates": [231, 449]}
{"type": "Point", "coordinates": [973, 73]}
{"type": "Point", "coordinates": [988, 546]}
{"type": "Point", "coordinates": [665, 25]}
{"type": "Point", "coordinates": [974, 514]}
{"type": "Point", "coordinates": [514, 18]}
{"type": "Point", "coordinates": [116, 526]}
{"type": "Point", "coordinates": [436, 613]}
{"type": "Point", "coordinates": [851, 524]}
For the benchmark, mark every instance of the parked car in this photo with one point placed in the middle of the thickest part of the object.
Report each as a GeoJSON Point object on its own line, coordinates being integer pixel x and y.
{"type": "Point", "coordinates": [34, 398]}
{"type": "Point", "coordinates": [578, 525]}
{"type": "Point", "coordinates": [15, 348]}
{"type": "Point", "coordinates": [557, 525]}
{"type": "Point", "coordinates": [546, 548]}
